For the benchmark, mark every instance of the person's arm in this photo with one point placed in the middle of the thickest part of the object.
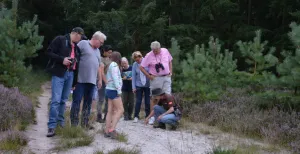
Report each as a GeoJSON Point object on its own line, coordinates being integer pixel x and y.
{"type": "Point", "coordinates": [133, 77]}
{"type": "Point", "coordinates": [171, 109]}
{"type": "Point", "coordinates": [103, 73]}
{"type": "Point", "coordinates": [115, 72]}
{"type": "Point", "coordinates": [99, 77]}
{"type": "Point", "coordinates": [171, 67]}
{"type": "Point", "coordinates": [53, 52]}
{"type": "Point", "coordinates": [146, 73]}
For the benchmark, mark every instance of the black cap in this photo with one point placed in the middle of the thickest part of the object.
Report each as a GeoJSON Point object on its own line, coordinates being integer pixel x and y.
{"type": "Point", "coordinates": [157, 92]}
{"type": "Point", "coordinates": [78, 30]}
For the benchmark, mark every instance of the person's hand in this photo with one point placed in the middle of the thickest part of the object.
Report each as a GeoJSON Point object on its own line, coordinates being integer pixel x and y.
{"type": "Point", "coordinates": [170, 74]}
{"type": "Point", "coordinates": [159, 117]}
{"type": "Point", "coordinates": [124, 78]}
{"type": "Point", "coordinates": [146, 121]}
{"type": "Point", "coordinates": [134, 90]}
{"type": "Point", "coordinates": [151, 77]}
{"type": "Point", "coordinates": [73, 88]}
{"type": "Point", "coordinates": [129, 78]}
{"type": "Point", "coordinates": [66, 61]}
{"type": "Point", "coordinates": [99, 84]}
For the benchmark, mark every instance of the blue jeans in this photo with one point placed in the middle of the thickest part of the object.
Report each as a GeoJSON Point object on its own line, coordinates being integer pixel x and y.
{"type": "Point", "coordinates": [85, 90]}
{"type": "Point", "coordinates": [139, 97]}
{"type": "Point", "coordinates": [167, 119]}
{"type": "Point", "coordinates": [61, 88]}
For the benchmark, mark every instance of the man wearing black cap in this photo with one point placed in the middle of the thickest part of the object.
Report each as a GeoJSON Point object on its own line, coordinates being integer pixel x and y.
{"type": "Point", "coordinates": [166, 112]}
{"type": "Point", "coordinates": [63, 53]}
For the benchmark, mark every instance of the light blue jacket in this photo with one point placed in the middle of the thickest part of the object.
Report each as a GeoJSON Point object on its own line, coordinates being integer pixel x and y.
{"type": "Point", "coordinates": [114, 79]}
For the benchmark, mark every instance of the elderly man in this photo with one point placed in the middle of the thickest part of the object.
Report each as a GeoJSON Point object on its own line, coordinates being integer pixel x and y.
{"type": "Point", "coordinates": [89, 72]}
{"type": "Point", "coordinates": [63, 53]}
{"type": "Point", "coordinates": [159, 62]}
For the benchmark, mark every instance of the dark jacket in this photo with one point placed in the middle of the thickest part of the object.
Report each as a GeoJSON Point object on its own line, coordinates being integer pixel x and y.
{"type": "Point", "coordinates": [60, 48]}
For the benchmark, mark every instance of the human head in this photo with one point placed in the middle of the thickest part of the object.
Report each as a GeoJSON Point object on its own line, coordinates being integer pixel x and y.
{"type": "Point", "coordinates": [98, 39]}
{"type": "Point", "coordinates": [124, 62]}
{"type": "Point", "coordinates": [155, 46]}
{"type": "Point", "coordinates": [116, 57]}
{"type": "Point", "coordinates": [137, 56]}
{"type": "Point", "coordinates": [106, 51]}
{"type": "Point", "coordinates": [76, 34]}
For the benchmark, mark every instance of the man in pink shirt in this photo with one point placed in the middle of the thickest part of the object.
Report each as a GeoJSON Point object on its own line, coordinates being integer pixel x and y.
{"type": "Point", "coordinates": [159, 62]}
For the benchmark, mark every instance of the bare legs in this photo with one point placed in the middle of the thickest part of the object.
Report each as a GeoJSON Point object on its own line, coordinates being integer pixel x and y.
{"type": "Point", "coordinates": [114, 113]}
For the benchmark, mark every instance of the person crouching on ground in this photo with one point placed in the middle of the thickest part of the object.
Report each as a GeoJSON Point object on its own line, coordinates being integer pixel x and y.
{"type": "Point", "coordinates": [113, 92]}
{"type": "Point", "coordinates": [164, 111]}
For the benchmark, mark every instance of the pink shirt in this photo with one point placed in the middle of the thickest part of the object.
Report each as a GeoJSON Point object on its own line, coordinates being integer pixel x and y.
{"type": "Point", "coordinates": [164, 57]}
{"type": "Point", "coordinates": [73, 54]}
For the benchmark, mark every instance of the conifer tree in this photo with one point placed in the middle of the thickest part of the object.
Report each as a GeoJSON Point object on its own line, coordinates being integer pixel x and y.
{"type": "Point", "coordinates": [18, 42]}
{"type": "Point", "coordinates": [207, 71]}
{"type": "Point", "coordinates": [256, 54]}
{"type": "Point", "coordinates": [289, 69]}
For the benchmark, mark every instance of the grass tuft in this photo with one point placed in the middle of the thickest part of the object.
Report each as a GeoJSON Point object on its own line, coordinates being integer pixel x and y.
{"type": "Point", "coordinates": [12, 141]}
{"type": "Point", "coordinates": [124, 151]}
{"type": "Point", "coordinates": [122, 137]}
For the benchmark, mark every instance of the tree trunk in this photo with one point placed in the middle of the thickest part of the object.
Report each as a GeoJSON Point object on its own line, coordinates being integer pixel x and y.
{"type": "Point", "coordinates": [249, 11]}
{"type": "Point", "coordinates": [170, 12]}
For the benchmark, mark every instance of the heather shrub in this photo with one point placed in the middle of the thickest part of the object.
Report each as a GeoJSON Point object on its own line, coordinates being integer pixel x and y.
{"type": "Point", "coordinates": [12, 140]}
{"type": "Point", "coordinates": [237, 112]}
{"type": "Point", "coordinates": [16, 109]}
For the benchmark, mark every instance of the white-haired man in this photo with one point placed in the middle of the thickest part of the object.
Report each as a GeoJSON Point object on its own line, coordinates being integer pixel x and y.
{"type": "Point", "coordinates": [127, 94]}
{"type": "Point", "coordinates": [89, 72]}
{"type": "Point", "coordinates": [159, 62]}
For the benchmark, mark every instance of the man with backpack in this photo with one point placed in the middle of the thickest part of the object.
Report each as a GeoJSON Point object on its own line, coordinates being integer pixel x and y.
{"type": "Point", "coordinates": [63, 52]}
{"type": "Point", "coordinates": [167, 113]}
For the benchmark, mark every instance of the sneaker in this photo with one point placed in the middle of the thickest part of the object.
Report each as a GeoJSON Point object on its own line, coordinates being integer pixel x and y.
{"type": "Point", "coordinates": [151, 121]}
{"type": "Point", "coordinates": [159, 125]}
{"type": "Point", "coordinates": [136, 119]}
{"type": "Point", "coordinates": [126, 118]}
{"type": "Point", "coordinates": [51, 132]}
{"type": "Point", "coordinates": [130, 118]}
{"type": "Point", "coordinates": [171, 127]}
{"type": "Point", "coordinates": [106, 135]}
{"type": "Point", "coordinates": [113, 134]}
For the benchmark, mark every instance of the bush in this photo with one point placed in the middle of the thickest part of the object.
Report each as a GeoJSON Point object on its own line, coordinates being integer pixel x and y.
{"type": "Point", "coordinates": [16, 110]}
{"type": "Point", "coordinates": [12, 140]}
{"type": "Point", "coordinates": [237, 112]}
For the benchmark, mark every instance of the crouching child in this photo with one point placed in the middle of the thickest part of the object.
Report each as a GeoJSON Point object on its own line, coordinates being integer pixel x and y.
{"type": "Point", "coordinates": [166, 113]}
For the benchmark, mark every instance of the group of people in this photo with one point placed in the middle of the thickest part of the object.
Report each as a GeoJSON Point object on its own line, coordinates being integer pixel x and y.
{"type": "Point", "coordinates": [85, 65]}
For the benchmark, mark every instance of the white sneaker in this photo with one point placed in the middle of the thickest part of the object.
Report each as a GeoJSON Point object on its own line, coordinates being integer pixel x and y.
{"type": "Point", "coordinates": [151, 121]}
{"type": "Point", "coordinates": [135, 120]}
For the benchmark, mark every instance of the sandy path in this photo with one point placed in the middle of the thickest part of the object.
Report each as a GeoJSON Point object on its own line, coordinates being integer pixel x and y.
{"type": "Point", "coordinates": [39, 143]}
{"type": "Point", "coordinates": [141, 137]}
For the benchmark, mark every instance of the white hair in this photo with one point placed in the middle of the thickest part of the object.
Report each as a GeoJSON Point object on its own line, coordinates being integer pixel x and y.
{"type": "Point", "coordinates": [155, 45]}
{"type": "Point", "coordinates": [124, 59]}
{"type": "Point", "coordinates": [99, 35]}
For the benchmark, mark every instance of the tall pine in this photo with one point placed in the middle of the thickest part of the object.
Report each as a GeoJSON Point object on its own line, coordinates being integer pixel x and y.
{"type": "Point", "coordinates": [18, 43]}
{"type": "Point", "coordinates": [289, 69]}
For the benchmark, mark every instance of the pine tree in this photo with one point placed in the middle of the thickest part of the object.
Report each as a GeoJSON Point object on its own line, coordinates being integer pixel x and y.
{"type": "Point", "coordinates": [177, 71]}
{"type": "Point", "coordinates": [256, 54]}
{"type": "Point", "coordinates": [207, 71]}
{"type": "Point", "coordinates": [18, 43]}
{"type": "Point", "coordinates": [289, 69]}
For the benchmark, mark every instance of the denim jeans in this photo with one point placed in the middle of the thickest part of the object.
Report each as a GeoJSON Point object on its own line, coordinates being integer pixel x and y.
{"type": "Point", "coordinates": [139, 98]}
{"type": "Point", "coordinates": [85, 90]}
{"type": "Point", "coordinates": [61, 88]}
{"type": "Point", "coordinates": [128, 103]}
{"type": "Point", "coordinates": [101, 96]}
{"type": "Point", "coordinates": [167, 119]}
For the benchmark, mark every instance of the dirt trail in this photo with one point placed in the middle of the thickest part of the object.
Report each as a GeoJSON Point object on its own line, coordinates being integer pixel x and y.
{"type": "Point", "coordinates": [141, 137]}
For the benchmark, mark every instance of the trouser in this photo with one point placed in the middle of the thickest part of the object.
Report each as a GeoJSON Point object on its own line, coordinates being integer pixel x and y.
{"type": "Point", "coordinates": [85, 90]}
{"type": "Point", "coordinates": [61, 88]}
{"type": "Point", "coordinates": [128, 103]}
{"type": "Point", "coordinates": [101, 95]}
{"type": "Point", "coordinates": [140, 92]}
{"type": "Point", "coordinates": [166, 119]}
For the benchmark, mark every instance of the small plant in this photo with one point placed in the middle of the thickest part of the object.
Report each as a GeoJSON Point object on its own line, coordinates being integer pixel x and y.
{"type": "Point", "coordinates": [124, 151]}
{"type": "Point", "coordinates": [12, 141]}
{"type": "Point", "coordinates": [99, 152]}
{"type": "Point", "coordinates": [122, 137]}
{"type": "Point", "coordinates": [219, 150]}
